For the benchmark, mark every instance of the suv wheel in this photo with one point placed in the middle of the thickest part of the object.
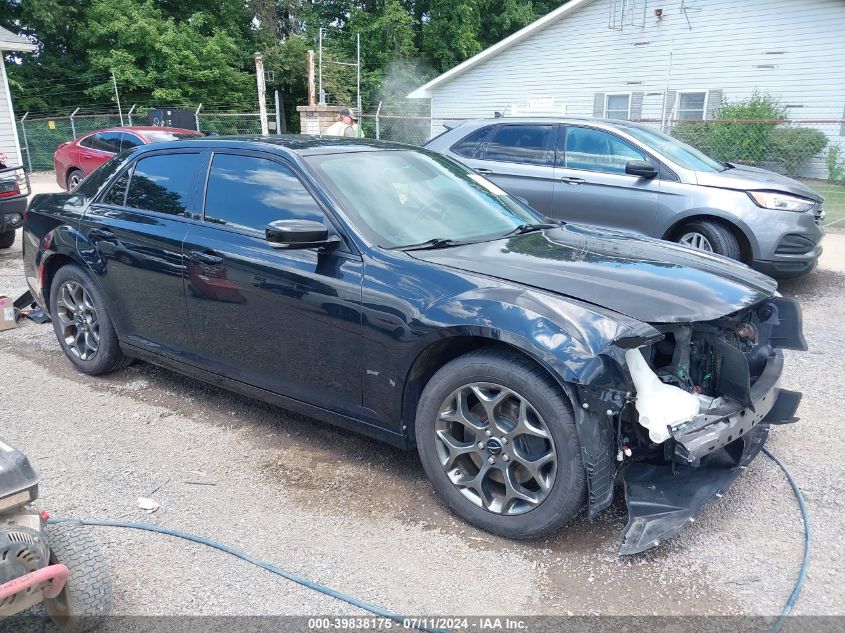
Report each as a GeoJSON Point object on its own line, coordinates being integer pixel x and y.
{"type": "Point", "coordinates": [82, 323]}
{"type": "Point", "coordinates": [497, 439]}
{"type": "Point", "coordinates": [711, 237]}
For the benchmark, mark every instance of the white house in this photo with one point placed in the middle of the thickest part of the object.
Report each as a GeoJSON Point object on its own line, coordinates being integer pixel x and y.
{"type": "Point", "coordinates": [658, 60]}
{"type": "Point", "coordinates": [9, 143]}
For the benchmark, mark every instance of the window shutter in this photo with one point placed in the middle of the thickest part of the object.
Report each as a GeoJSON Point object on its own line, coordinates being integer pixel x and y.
{"type": "Point", "coordinates": [636, 106]}
{"type": "Point", "coordinates": [598, 105]}
{"type": "Point", "coordinates": [669, 104]}
{"type": "Point", "coordinates": [714, 100]}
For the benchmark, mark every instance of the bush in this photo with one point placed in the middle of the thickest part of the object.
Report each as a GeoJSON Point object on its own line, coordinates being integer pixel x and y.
{"type": "Point", "coordinates": [792, 147]}
{"type": "Point", "coordinates": [835, 166]}
{"type": "Point", "coordinates": [745, 142]}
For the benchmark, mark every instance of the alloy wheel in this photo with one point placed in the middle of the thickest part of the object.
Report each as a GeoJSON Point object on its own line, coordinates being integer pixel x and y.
{"type": "Point", "coordinates": [697, 241]}
{"type": "Point", "coordinates": [77, 316]}
{"type": "Point", "coordinates": [74, 181]}
{"type": "Point", "coordinates": [495, 448]}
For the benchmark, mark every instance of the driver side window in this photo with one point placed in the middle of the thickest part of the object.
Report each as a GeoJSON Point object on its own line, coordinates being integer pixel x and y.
{"type": "Point", "coordinates": [248, 192]}
{"type": "Point", "coordinates": [595, 150]}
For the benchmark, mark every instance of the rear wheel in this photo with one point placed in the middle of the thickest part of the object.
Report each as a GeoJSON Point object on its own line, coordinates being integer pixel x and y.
{"type": "Point", "coordinates": [74, 178]}
{"type": "Point", "coordinates": [87, 596]}
{"type": "Point", "coordinates": [82, 323]}
{"type": "Point", "coordinates": [497, 439]}
{"type": "Point", "coordinates": [7, 238]}
{"type": "Point", "coordinates": [711, 237]}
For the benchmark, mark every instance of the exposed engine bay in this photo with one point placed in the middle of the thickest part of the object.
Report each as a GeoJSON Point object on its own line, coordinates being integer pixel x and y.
{"type": "Point", "coordinates": [699, 404]}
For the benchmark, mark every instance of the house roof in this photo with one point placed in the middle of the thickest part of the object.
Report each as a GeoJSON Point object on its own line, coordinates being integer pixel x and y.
{"type": "Point", "coordinates": [11, 42]}
{"type": "Point", "coordinates": [425, 91]}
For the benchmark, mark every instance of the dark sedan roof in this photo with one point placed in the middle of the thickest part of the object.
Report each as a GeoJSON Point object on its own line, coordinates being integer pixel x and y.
{"type": "Point", "coordinates": [306, 145]}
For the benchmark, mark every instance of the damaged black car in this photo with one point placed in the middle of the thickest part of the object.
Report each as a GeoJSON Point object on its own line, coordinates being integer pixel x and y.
{"type": "Point", "coordinates": [536, 366]}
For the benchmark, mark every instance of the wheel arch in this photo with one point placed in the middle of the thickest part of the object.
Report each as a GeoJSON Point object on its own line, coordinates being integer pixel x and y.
{"type": "Point", "coordinates": [445, 350]}
{"type": "Point", "coordinates": [744, 235]}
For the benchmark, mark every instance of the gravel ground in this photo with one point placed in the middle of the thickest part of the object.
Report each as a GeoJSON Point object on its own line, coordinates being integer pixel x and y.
{"type": "Point", "coordinates": [360, 517]}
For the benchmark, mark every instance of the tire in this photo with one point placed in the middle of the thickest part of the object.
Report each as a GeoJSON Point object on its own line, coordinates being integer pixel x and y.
{"type": "Point", "coordinates": [74, 177]}
{"type": "Point", "coordinates": [565, 489]}
{"type": "Point", "coordinates": [720, 238]}
{"type": "Point", "coordinates": [7, 238]}
{"type": "Point", "coordinates": [87, 596]}
{"type": "Point", "coordinates": [77, 330]}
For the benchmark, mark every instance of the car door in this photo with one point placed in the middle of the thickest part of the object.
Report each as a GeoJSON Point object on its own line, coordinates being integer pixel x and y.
{"type": "Point", "coordinates": [97, 149]}
{"type": "Point", "coordinates": [288, 321]}
{"type": "Point", "coordinates": [591, 186]}
{"type": "Point", "coordinates": [519, 157]}
{"type": "Point", "coordinates": [134, 234]}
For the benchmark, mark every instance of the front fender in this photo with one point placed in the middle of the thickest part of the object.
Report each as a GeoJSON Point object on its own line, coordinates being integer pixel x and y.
{"type": "Point", "coordinates": [575, 341]}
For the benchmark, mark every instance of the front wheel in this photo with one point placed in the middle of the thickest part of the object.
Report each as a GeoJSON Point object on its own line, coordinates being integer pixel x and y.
{"type": "Point", "coordinates": [87, 596]}
{"type": "Point", "coordinates": [497, 439]}
{"type": "Point", "coordinates": [7, 238]}
{"type": "Point", "coordinates": [711, 237]}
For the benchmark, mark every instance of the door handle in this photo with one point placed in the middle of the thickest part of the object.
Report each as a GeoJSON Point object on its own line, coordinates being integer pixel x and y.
{"type": "Point", "coordinates": [482, 170]}
{"type": "Point", "coordinates": [572, 180]}
{"type": "Point", "coordinates": [205, 258]}
{"type": "Point", "coordinates": [102, 234]}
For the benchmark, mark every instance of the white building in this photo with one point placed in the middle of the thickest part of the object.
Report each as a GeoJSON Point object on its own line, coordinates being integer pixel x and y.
{"type": "Point", "coordinates": [658, 60]}
{"type": "Point", "coordinates": [9, 142]}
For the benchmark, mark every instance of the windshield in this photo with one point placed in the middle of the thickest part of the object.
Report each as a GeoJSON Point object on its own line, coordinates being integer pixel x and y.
{"type": "Point", "coordinates": [673, 149]}
{"type": "Point", "coordinates": [403, 198]}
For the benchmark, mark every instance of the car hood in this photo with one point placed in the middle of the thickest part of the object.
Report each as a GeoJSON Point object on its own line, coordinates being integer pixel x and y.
{"type": "Point", "coordinates": [747, 178]}
{"type": "Point", "coordinates": [649, 280]}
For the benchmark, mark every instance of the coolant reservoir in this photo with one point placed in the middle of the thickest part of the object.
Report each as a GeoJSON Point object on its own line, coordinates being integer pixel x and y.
{"type": "Point", "coordinates": [659, 405]}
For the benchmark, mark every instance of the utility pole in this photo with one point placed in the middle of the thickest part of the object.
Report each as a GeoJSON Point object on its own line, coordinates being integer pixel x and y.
{"type": "Point", "coordinates": [311, 99]}
{"type": "Point", "coordinates": [358, 70]}
{"type": "Point", "coordinates": [320, 69]}
{"type": "Point", "coordinates": [117, 97]}
{"type": "Point", "coordinates": [278, 114]}
{"type": "Point", "coordinates": [262, 93]}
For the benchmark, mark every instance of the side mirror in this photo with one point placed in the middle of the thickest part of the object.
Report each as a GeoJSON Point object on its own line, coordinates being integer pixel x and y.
{"type": "Point", "coordinates": [299, 234]}
{"type": "Point", "coordinates": [640, 168]}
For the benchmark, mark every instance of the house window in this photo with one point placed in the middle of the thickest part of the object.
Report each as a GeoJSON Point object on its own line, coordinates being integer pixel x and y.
{"type": "Point", "coordinates": [692, 105]}
{"type": "Point", "coordinates": [617, 106]}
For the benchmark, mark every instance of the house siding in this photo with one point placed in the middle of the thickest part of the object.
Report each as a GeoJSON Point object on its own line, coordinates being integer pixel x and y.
{"type": "Point", "coordinates": [8, 131]}
{"type": "Point", "coordinates": [577, 58]}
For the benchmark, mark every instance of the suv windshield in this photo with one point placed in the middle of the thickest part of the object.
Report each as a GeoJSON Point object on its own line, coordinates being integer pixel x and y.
{"type": "Point", "coordinates": [405, 197]}
{"type": "Point", "coordinates": [677, 151]}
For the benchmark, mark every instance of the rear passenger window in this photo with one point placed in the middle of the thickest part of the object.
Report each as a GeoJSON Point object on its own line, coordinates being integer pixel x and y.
{"type": "Point", "coordinates": [163, 183]}
{"type": "Point", "coordinates": [470, 146]}
{"type": "Point", "coordinates": [526, 144]}
{"type": "Point", "coordinates": [250, 192]}
{"type": "Point", "coordinates": [117, 193]}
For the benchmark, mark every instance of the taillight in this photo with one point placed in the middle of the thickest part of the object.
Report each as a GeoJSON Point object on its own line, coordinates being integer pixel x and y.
{"type": "Point", "coordinates": [9, 188]}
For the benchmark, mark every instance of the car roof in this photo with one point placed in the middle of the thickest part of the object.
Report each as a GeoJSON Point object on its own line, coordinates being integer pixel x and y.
{"type": "Point", "coordinates": [546, 119]}
{"type": "Point", "coordinates": [142, 129]}
{"type": "Point", "coordinates": [301, 144]}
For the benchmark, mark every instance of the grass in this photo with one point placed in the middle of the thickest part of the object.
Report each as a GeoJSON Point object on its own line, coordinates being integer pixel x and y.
{"type": "Point", "coordinates": [834, 202]}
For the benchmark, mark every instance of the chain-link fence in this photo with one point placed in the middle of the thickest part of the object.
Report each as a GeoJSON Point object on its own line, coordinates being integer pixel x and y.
{"type": "Point", "coordinates": [812, 151]}
{"type": "Point", "coordinates": [40, 137]}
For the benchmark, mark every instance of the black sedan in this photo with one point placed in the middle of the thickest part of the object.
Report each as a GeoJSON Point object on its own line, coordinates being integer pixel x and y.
{"type": "Point", "coordinates": [389, 290]}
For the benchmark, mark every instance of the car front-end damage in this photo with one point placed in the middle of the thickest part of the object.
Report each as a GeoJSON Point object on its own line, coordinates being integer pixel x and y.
{"type": "Point", "coordinates": [691, 409]}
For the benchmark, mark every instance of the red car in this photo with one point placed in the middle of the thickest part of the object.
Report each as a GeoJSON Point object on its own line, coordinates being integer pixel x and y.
{"type": "Point", "coordinates": [75, 159]}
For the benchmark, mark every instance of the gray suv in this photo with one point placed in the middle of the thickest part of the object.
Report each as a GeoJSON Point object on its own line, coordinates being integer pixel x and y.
{"type": "Point", "coordinates": [631, 177]}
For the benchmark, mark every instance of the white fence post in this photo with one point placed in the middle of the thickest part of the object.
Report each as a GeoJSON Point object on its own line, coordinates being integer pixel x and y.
{"type": "Point", "coordinates": [378, 129]}
{"type": "Point", "coordinates": [73, 123]}
{"type": "Point", "coordinates": [129, 114]}
{"type": "Point", "coordinates": [197, 117]}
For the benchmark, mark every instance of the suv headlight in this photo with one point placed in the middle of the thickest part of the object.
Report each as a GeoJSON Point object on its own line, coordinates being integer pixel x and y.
{"type": "Point", "coordinates": [780, 201]}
